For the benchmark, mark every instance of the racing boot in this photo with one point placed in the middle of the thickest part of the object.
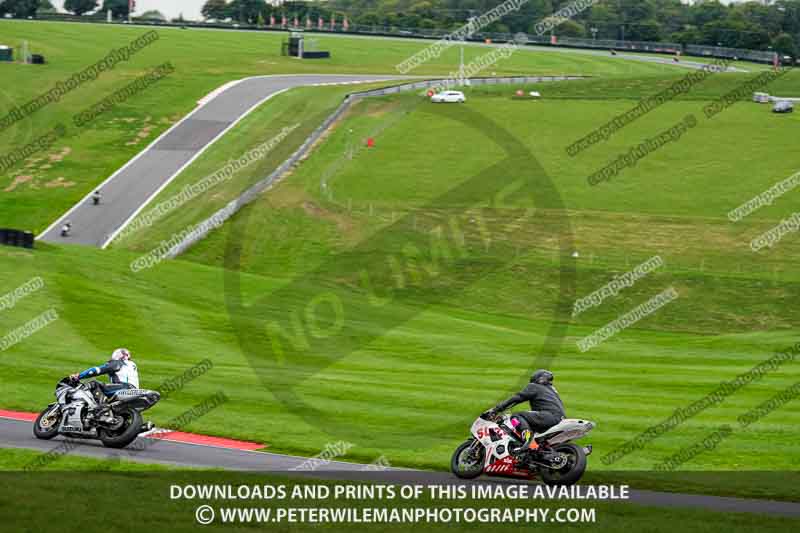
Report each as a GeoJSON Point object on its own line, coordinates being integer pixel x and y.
{"type": "Point", "coordinates": [528, 446]}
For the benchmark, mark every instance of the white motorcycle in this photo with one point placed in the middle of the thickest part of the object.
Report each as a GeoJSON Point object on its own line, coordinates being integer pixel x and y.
{"type": "Point", "coordinates": [116, 423]}
{"type": "Point", "coordinates": [557, 460]}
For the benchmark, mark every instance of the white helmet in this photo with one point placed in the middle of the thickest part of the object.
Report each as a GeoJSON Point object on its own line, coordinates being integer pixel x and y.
{"type": "Point", "coordinates": [121, 354]}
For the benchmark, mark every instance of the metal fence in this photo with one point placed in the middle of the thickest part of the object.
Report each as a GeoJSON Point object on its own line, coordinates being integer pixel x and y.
{"type": "Point", "coordinates": [760, 56]}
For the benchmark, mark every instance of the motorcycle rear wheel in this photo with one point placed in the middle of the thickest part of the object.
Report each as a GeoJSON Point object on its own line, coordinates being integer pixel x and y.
{"type": "Point", "coordinates": [572, 472]}
{"type": "Point", "coordinates": [475, 463]}
{"type": "Point", "coordinates": [120, 439]}
{"type": "Point", "coordinates": [46, 428]}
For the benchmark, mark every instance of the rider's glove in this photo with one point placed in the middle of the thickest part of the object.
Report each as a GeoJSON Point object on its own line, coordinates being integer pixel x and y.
{"type": "Point", "coordinates": [491, 413]}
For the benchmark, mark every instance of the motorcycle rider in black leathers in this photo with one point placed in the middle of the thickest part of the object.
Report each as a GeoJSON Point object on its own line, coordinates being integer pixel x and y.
{"type": "Point", "coordinates": [547, 409]}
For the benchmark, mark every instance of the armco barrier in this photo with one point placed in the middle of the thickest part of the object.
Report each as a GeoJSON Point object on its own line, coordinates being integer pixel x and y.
{"type": "Point", "coordinates": [730, 53]}
{"type": "Point", "coordinates": [205, 227]}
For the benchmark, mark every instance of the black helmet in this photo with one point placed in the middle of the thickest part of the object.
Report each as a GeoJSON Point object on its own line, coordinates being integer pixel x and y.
{"type": "Point", "coordinates": [542, 377]}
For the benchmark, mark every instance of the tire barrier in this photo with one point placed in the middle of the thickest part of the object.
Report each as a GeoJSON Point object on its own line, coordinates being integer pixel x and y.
{"type": "Point", "coordinates": [13, 237]}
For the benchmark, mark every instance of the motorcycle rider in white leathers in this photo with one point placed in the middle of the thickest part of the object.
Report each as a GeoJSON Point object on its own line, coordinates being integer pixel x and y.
{"type": "Point", "coordinates": [123, 373]}
{"type": "Point", "coordinates": [120, 369]}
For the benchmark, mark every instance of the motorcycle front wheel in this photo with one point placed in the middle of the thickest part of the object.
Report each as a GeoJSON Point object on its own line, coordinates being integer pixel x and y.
{"type": "Point", "coordinates": [46, 425]}
{"type": "Point", "coordinates": [127, 433]}
{"type": "Point", "coordinates": [467, 460]}
{"type": "Point", "coordinates": [572, 471]}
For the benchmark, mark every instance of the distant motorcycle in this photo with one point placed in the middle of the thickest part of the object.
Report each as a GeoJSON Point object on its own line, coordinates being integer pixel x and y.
{"type": "Point", "coordinates": [116, 422]}
{"type": "Point", "coordinates": [558, 460]}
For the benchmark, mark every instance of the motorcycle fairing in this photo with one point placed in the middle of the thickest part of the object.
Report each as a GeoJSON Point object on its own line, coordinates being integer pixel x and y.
{"type": "Point", "coordinates": [565, 431]}
{"type": "Point", "coordinates": [496, 441]}
{"type": "Point", "coordinates": [136, 398]}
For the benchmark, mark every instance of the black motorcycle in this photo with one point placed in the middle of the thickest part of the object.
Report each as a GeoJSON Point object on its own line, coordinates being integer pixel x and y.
{"type": "Point", "coordinates": [116, 420]}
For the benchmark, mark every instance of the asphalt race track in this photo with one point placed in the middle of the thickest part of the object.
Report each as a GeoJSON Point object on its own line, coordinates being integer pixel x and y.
{"type": "Point", "coordinates": [18, 434]}
{"type": "Point", "coordinates": [132, 186]}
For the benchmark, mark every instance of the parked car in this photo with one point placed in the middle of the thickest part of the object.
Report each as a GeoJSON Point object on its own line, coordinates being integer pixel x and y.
{"type": "Point", "coordinates": [761, 98]}
{"type": "Point", "coordinates": [784, 106]}
{"type": "Point", "coordinates": [448, 97]}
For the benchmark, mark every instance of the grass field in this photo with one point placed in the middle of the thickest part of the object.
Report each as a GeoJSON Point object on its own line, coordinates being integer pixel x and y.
{"type": "Point", "coordinates": [299, 110]}
{"type": "Point", "coordinates": [35, 192]}
{"type": "Point", "coordinates": [406, 379]}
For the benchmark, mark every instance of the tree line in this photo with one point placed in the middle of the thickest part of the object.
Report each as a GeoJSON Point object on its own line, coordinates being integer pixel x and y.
{"type": "Point", "coordinates": [30, 8]}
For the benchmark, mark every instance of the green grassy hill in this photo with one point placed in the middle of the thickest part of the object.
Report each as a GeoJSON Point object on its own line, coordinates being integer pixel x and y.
{"type": "Point", "coordinates": [734, 308]}
{"type": "Point", "coordinates": [36, 192]}
{"type": "Point", "coordinates": [464, 327]}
